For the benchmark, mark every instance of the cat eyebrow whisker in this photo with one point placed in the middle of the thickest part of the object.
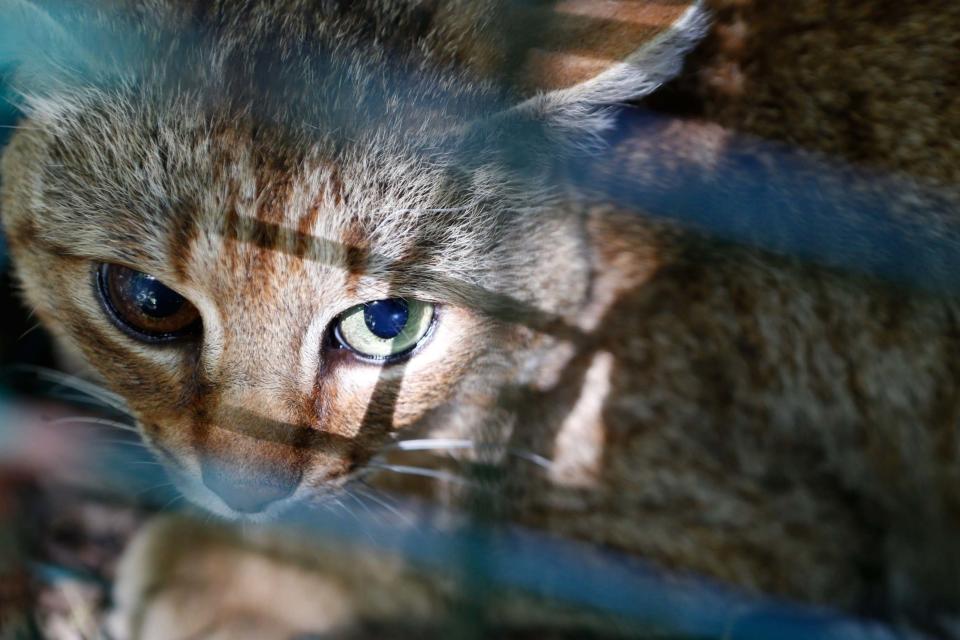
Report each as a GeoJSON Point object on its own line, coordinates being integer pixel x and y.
{"type": "Point", "coordinates": [454, 444]}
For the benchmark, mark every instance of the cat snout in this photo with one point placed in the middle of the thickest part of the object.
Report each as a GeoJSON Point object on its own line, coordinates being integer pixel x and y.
{"type": "Point", "coordinates": [249, 492]}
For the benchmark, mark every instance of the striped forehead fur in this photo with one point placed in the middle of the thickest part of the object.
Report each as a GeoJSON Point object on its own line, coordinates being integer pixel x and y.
{"type": "Point", "coordinates": [183, 162]}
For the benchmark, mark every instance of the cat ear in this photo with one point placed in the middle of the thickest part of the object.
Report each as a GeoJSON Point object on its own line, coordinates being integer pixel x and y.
{"type": "Point", "coordinates": [598, 53]}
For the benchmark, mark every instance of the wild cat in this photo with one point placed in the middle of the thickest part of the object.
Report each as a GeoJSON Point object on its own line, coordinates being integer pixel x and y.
{"type": "Point", "coordinates": [295, 236]}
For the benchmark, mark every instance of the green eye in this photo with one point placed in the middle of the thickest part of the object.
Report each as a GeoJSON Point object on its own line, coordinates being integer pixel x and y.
{"type": "Point", "coordinates": [384, 329]}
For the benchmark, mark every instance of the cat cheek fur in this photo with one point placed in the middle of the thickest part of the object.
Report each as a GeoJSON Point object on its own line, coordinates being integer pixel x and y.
{"type": "Point", "coordinates": [275, 222]}
{"type": "Point", "coordinates": [215, 424]}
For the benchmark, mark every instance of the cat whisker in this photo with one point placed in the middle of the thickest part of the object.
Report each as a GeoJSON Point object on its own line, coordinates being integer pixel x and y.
{"type": "Point", "coordinates": [353, 496]}
{"type": "Point", "coordinates": [103, 422]}
{"type": "Point", "coordinates": [326, 506]}
{"type": "Point", "coordinates": [428, 444]}
{"type": "Point", "coordinates": [369, 493]}
{"type": "Point", "coordinates": [170, 503]}
{"type": "Point", "coordinates": [112, 400]}
{"type": "Point", "coordinates": [431, 210]}
{"type": "Point", "coordinates": [28, 331]}
{"type": "Point", "coordinates": [350, 512]}
{"type": "Point", "coordinates": [337, 502]}
{"type": "Point", "coordinates": [421, 471]}
{"type": "Point", "coordinates": [109, 398]}
{"type": "Point", "coordinates": [454, 444]}
{"type": "Point", "coordinates": [162, 485]}
{"type": "Point", "coordinates": [531, 457]}
{"type": "Point", "coordinates": [121, 443]}
{"type": "Point", "coordinates": [72, 396]}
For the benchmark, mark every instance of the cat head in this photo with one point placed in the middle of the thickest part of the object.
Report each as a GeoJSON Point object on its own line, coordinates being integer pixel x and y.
{"type": "Point", "coordinates": [286, 231]}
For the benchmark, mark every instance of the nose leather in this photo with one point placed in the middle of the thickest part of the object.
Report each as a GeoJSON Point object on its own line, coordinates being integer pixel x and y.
{"type": "Point", "coordinates": [248, 492]}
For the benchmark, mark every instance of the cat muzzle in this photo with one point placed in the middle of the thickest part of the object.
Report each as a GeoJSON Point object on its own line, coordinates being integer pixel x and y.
{"type": "Point", "coordinates": [249, 492]}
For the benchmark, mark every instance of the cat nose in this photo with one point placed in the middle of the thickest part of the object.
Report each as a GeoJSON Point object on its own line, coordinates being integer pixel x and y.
{"type": "Point", "coordinates": [248, 493]}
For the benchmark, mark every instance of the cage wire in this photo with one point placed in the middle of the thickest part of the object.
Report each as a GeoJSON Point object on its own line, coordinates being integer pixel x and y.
{"type": "Point", "coordinates": [488, 557]}
{"type": "Point", "coordinates": [794, 202]}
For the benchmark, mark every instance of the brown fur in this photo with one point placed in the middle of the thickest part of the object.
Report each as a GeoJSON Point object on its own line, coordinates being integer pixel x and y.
{"type": "Point", "coordinates": [785, 427]}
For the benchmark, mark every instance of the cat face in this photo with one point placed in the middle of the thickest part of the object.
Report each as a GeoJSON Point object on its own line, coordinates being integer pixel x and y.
{"type": "Point", "coordinates": [277, 286]}
{"type": "Point", "coordinates": [232, 309]}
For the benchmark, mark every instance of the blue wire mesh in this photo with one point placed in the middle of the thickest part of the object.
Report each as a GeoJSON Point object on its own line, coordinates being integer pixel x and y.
{"type": "Point", "coordinates": [795, 204]}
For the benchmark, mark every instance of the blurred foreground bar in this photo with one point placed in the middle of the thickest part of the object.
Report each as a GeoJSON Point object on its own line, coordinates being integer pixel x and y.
{"type": "Point", "coordinates": [16, 592]}
{"type": "Point", "coordinates": [888, 226]}
{"type": "Point", "coordinates": [565, 573]}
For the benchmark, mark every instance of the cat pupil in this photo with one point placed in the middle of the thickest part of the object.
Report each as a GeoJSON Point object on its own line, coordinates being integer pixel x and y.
{"type": "Point", "coordinates": [152, 297]}
{"type": "Point", "coordinates": [386, 318]}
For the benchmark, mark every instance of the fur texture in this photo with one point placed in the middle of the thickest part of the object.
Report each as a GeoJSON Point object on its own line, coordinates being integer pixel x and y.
{"type": "Point", "coordinates": [716, 409]}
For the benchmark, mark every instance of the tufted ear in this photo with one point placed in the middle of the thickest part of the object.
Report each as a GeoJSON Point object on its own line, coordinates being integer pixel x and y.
{"type": "Point", "coordinates": [591, 54]}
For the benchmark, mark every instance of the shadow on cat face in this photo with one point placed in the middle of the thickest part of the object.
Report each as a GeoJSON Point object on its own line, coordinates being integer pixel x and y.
{"type": "Point", "coordinates": [262, 411]}
{"type": "Point", "coordinates": [276, 178]}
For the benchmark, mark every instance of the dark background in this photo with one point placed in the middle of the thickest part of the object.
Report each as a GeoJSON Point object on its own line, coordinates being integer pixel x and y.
{"type": "Point", "coordinates": [21, 340]}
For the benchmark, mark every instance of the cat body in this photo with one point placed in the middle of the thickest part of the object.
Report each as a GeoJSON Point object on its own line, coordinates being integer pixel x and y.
{"type": "Point", "coordinates": [784, 427]}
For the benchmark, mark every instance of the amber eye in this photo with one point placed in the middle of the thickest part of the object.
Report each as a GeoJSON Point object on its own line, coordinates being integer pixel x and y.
{"type": "Point", "coordinates": [144, 307]}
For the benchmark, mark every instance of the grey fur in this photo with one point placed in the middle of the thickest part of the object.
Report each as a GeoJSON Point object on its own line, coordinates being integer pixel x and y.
{"type": "Point", "coordinates": [737, 414]}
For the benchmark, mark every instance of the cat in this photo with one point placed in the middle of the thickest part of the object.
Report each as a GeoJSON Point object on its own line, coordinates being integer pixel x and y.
{"type": "Point", "coordinates": [297, 237]}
